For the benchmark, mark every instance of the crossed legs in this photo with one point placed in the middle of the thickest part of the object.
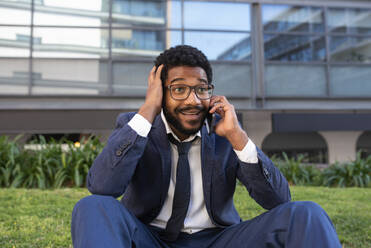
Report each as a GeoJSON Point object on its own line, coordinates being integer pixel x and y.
{"type": "Point", "coordinates": [102, 221]}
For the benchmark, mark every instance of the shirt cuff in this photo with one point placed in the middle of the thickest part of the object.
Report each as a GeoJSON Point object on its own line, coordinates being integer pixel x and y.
{"type": "Point", "coordinates": [140, 125]}
{"type": "Point", "coordinates": [248, 153]}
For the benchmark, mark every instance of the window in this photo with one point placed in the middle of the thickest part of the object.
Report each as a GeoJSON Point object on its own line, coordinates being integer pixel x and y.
{"type": "Point", "coordinates": [350, 52]}
{"type": "Point", "coordinates": [294, 51]}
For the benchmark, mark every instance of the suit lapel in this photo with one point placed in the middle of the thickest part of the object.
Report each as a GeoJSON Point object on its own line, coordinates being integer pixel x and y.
{"type": "Point", "coordinates": [207, 155]}
{"type": "Point", "coordinates": [161, 142]}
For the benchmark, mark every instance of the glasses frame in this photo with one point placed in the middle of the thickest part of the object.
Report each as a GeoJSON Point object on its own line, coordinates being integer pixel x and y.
{"type": "Point", "coordinates": [189, 92]}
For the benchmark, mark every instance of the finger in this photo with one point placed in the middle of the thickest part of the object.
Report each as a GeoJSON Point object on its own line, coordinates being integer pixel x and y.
{"type": "Point", "coordinates": [151, 74]}
{"type": "Point", "coordinates": [218, 107]}
{"type": "Point", "coordinates": [158, 72]}
{"type": "Point", "coordinates": [216, 99]}
{"type": "Point", "coordinates": [220, 111]}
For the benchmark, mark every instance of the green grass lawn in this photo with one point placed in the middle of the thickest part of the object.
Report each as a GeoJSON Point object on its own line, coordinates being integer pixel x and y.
{"type": "Point", "coordinates": [41, 218]}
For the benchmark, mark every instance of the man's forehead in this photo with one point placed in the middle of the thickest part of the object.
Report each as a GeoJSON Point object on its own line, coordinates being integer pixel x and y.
{"type": "Point", "coordinates": [186, 72]}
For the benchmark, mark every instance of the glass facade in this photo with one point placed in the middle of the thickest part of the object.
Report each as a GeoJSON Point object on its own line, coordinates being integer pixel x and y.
{"type": "Point", "coordinates": [107, 47]}
{"type": "Point", "coordinates": [294, 34]}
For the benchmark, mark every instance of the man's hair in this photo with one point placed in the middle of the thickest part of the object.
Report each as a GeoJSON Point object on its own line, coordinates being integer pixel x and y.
{"type": "Point", "coordinates": [183, 56]}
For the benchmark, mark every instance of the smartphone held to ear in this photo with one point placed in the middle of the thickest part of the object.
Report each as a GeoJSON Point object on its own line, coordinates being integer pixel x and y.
{"type": "Point", "coordinates": [211, 122]}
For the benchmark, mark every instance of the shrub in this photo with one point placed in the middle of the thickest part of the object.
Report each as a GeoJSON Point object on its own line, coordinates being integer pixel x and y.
{"type": "Point", "coordinates": [296, 172]}
{"type": "Point", "coordinates": [10, 162]}
{"type": "Point", "coordinates": [56, 164]}
{"type": "Point", "coordinates": [78, 160]}
{"type": "Point", "coordinates": [51, 164]}
{"type": "Point", "coordinates": [353, 174]}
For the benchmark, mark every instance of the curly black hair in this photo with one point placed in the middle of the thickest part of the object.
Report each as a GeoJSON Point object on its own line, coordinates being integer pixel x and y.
{"type": "Point", "coordinates": [183, 55]}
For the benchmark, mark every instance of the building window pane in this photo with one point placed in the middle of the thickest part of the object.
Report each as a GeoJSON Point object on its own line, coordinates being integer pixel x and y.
{"type": "Point", "coordinates": [78, 76]}
{"type": "Point", "coordinates": [174, 15]}
{"type": "Point", "coordinates": [295, 80]}
{"type": "Point", "coordinates": [14, 76]}
{"type": "Point", "coordinates": [304, 48]}
{"type": "Point", "coordinates": [350, 81]}
{"type": "Point", "coordinates": [285, 18]}
{"type": "Point", "coordinates": [221, 45]}
{"type": "Point", "coordinates": [15, 41]}
{"type": "Point", "coordinates": [217, 15]}
{"type": "Point", "coordinates": [139, 12]}
{"type": "Point", "coordinates": [70, 42]}
{"type": "Point", "coordinates": [350, 21]}
{"type": "Point", "coordinates": [173, 38]}
{"type": "Point", "coordinates": [14, 60]}
{"type": "Point", "coordinates": [350, 49]}
{"type": "Point", "coordinates": [151, 8]}
{"type": "Point", "coordinates": [130, 78]}
{"type": "Point", "coordinates": [135, 42]}
{"type": "Point", "coordinates": [232, 80]}
{"type": "Point", "coordinates": [72, 13]}
{"type": "Point", "coordinates": [15, 12]}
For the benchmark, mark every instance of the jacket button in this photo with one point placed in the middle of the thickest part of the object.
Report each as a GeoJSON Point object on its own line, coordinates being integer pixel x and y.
{"type": "Point", "coordinates": [125, 145]}
{"type": "Point", "coordinates": [118, 152]}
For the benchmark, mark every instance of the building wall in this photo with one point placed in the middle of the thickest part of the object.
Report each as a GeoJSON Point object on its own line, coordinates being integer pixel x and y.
{"type": "Point", "coordinates": [341, 145]}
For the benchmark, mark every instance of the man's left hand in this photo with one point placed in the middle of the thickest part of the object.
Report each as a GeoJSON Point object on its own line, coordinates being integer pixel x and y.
{"type": "Point", "coordinates": [228, 126]}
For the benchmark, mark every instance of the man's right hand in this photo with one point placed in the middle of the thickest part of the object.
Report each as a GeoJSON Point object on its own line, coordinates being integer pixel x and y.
{"type": "Point", "coordinates": [153, 103]}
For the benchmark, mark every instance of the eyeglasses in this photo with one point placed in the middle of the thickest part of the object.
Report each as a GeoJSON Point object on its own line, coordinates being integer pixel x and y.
{"type": "Point", "coordinates": [182, 91]}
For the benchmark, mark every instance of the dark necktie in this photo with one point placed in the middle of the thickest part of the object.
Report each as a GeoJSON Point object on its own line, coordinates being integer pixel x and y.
{"type": "Point", "coordinates": [182, 193]}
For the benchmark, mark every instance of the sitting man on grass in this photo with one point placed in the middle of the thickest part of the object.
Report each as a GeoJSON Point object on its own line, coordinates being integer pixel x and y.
{"type": "Point", "coordinates": [177, 161]}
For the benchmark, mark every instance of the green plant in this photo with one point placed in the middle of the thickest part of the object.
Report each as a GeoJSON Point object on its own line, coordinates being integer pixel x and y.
{"type": "Point", "coordinates": [10, 162]}
{"type": "Point", "coordinates": [79, 158]}
{"type": "Point", "coordinates": [352, 174]}
{"type": "Point", "coordinates": [298, 173]}
{"type": "Point", "coordinates": [41, 165]}
{"type": "Point", "coordinates": [47, 164]}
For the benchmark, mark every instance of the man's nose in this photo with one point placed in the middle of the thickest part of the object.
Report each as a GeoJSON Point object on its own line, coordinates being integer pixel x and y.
{"type": "Point", "coordinates": [192, 99]}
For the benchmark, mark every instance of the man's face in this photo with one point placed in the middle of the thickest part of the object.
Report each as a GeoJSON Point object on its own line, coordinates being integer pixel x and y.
{"type": "Point", "coordinates": [185, 116]}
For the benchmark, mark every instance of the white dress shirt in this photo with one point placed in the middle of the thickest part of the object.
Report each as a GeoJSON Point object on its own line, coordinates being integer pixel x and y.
{"type": "Point", "coordinates": [197, 217]}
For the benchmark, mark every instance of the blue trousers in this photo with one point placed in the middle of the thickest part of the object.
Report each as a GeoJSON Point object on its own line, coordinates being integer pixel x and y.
{"type": "Point", "coordinates": [102, 221]}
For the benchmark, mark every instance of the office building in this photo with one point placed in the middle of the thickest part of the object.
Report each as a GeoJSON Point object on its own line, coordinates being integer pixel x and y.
{"type": "Point", "coordinates": [298, 72]}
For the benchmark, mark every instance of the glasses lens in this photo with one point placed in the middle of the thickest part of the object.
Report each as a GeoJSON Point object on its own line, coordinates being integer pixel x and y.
{"type": "Point", "coordinates": [204, 91]}
{"type": "Point", "coordinates": [179, 91]}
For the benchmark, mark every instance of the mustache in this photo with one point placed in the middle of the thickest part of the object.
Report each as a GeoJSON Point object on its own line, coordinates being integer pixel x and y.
{"type": "Point", "coordinates": [199, 108]}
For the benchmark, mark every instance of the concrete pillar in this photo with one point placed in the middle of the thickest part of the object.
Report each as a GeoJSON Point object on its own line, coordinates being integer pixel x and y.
{"type": "Point", "coordinates": [258, 125]}
{"type": "Point", "coordinates": [341, 145]}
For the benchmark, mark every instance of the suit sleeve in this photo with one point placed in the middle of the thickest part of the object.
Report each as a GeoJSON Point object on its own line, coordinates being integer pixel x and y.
{"type": "Point", "coordinates": [264, 182]}
{"type": "Point", "coordinates": [114, 167]}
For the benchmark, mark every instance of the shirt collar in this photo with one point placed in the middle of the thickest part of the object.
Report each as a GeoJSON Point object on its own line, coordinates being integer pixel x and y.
{"type": "Point", "coordinates": [168, 129]}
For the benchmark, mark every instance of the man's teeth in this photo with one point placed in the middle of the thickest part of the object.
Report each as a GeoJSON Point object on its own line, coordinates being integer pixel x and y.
{"type": "Point", "coordinates": [190, 112]}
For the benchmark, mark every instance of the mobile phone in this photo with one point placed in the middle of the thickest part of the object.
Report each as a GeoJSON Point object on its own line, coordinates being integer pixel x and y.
{"type": "Point", "coordinates": [211, 122]}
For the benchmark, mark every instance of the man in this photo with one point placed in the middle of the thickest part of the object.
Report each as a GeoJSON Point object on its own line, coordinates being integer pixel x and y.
{"type": "Point", "coordinates": [178, 170]}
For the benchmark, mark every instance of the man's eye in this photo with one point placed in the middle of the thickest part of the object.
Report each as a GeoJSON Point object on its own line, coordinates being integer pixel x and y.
{"type": "Point", "coordinates": [203, 89]}
{"type": "Point", "coordinates": [179, 90]}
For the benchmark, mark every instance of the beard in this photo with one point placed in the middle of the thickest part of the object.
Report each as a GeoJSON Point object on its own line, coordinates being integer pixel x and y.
{"type": "Point", "coordinates": [175, 123]}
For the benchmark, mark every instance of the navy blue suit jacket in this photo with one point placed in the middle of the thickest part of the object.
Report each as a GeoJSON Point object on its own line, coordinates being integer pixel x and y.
{"type": "Point", "coordinates": [140, 167]}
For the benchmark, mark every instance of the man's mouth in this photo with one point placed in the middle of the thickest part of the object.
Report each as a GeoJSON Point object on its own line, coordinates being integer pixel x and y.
{"type": "Point", "coordinates": [190, 112]}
